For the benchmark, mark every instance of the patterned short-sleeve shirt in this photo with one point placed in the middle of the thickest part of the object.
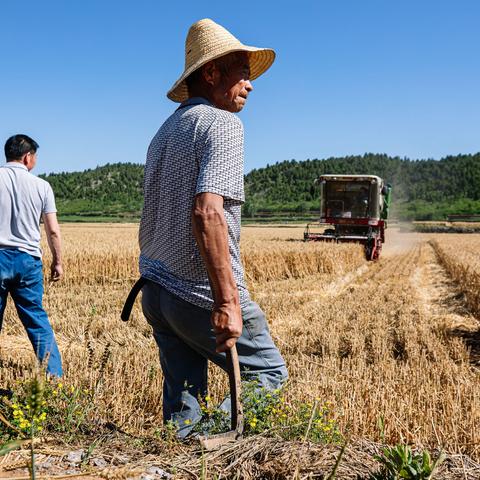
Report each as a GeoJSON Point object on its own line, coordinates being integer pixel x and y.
{"type": "Point", "coordinates": [198, 149]}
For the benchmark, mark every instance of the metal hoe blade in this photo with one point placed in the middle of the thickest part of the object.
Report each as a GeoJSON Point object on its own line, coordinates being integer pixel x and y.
{"type": "Point", "coordinates": [233, 369]}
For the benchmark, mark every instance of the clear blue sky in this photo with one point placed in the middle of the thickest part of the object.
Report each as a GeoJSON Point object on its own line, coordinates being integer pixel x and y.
{"type": "Point", "coordinates": [87, 78]}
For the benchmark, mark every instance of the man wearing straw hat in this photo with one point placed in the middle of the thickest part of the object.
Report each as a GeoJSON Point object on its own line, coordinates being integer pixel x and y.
{"type": "Point", "coordinates": [195, 296]}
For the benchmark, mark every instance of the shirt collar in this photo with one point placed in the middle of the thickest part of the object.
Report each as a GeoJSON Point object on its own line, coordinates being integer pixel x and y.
{"type": "Point", "coordinates": [15, 165]}
{"type": "Point", "coordinates": [195, 101]}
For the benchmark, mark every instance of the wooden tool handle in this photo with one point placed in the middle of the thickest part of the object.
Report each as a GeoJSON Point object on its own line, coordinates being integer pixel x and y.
{"type": "Point", "coordinates": [233, 369]}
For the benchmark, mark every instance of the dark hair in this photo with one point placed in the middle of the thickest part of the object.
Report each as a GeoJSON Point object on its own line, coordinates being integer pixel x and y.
{"type": "Point", "coordinates": [18, 145]}
{"type": "Point", "coordinates": [193, 79]}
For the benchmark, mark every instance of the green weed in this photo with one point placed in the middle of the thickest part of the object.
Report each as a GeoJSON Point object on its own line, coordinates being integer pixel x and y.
{"type": "Point", "coordinates": [45, 406]}
{"type": "Point", "coordinates": [267, 412]}
{"type": "Point", "coordinates": [400, 463]}
{"type": "Point", "coordinates": [25, 409]}
{"type": "Point", "coordinates": [68, 408]}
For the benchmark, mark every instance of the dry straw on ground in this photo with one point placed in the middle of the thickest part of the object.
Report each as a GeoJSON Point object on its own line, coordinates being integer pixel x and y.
{"type": "Point", "coordinates": [374, 339]}
{"type": "Point", "coordinates": [460, 255]}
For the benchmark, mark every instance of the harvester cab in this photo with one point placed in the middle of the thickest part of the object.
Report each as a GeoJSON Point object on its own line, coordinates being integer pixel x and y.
{"type": "Point", "coordinates": [353, 208]}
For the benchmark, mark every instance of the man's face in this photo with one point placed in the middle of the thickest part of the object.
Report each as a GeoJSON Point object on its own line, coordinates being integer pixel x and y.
{"type": "Point", "coordinates": [232, 85]}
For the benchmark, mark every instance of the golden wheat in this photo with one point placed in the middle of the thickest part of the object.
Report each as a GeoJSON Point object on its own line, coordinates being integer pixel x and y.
{"type": "Point", "coordinates": [460, 254]}
{"type": "Point", "coordinates": [368, 337]}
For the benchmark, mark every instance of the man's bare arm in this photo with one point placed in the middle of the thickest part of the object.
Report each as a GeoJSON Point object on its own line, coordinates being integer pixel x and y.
{"type": "Point", "coordinates": [211, 232]}
{"type": "Point", "coordinates": [54, 239]}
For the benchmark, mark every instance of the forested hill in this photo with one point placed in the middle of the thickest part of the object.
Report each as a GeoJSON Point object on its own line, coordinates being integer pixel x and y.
{"type": "Point", "coordinates": [423, 189]}
{"type": "Point", "coordinates": [113, 190]}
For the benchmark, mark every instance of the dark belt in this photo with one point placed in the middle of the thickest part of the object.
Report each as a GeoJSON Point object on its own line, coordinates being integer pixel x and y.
{"type": "Point", "coordinates": [127, 308]}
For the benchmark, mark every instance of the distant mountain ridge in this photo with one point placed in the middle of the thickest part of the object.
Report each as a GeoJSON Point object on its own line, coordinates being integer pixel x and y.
{"type": "Point", "coordinates": [423, 189]}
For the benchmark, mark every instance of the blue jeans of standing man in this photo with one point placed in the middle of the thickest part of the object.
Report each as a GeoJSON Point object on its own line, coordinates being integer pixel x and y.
{"type": "Point", "coordinates": [186, 341]}
{"type": "Point", "coordinates": [21, 276]}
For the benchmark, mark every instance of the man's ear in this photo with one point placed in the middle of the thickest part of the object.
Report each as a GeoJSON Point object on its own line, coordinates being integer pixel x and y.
{"type": "Point", "coordinates": [210, 72]}
{"type": "Point", "coordinates": [25, 159]}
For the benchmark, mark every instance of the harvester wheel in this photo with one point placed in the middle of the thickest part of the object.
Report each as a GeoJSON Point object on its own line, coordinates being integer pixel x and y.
{"type": "Point", "coordinates": [373, 247]}
{"type": "Point", "coordinates": [378, 249]}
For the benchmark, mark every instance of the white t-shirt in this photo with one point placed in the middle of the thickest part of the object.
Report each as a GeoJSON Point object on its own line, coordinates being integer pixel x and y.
{"type": "Point", "coordinates": [23, 200]}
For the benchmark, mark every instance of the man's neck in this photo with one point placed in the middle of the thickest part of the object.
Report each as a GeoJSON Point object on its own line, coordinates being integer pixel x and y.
{"type": "Point", "coordinates": [201, 92]}
{"type": "Point", "coordinates": [17, 162]}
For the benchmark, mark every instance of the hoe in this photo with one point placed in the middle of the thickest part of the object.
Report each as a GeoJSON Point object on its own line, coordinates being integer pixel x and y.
{"type": "Point", "coordinates": [233, 369]}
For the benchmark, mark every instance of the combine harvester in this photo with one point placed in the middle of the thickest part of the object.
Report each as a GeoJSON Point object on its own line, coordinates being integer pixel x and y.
{"type": "Point", "coordinates": [356, 206]}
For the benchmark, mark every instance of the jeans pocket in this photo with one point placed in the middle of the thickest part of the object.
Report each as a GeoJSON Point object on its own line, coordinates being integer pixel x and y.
{"type": "Point", "coordinates": [29, 262]}
{"type": "Point", "coordinates": [254, 320]}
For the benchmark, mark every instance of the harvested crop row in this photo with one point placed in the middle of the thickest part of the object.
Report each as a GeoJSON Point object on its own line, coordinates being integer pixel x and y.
{"type": "Point", "coordinates": [460, 256]}
{"type": "Point", "coordinates": [376, 351]}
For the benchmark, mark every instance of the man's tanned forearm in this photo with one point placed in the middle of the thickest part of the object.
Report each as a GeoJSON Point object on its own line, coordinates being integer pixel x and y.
{"type": "Point", "coordinates": [211, 232]}
{"type": "Point", "coordinates": [54, 239]}
{"type": "Point", "coordinates": [55, 244]}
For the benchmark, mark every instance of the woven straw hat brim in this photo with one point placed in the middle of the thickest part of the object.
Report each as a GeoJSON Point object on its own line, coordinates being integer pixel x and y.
{"type": "Point", "coordinates": [260, 61]}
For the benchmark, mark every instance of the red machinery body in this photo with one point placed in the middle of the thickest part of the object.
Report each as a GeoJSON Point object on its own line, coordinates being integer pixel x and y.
{"type": "Point", "coordinates": [353, 209]}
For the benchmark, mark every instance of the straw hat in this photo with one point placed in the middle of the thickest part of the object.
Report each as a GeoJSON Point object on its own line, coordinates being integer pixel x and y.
{"type": "Point", "coordinates": [206, 40]}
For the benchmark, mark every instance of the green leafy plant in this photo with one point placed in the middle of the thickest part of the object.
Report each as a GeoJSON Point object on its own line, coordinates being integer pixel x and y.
{"type": "Point", "coordinates": [214, 420]}
{"type": "Point", "coordinates": [45, 406]}
{"type": "Point", "coordinates": [24, 414]}
{"type": "Point", "coordinates": [262, 408]}
{"type": "Point", "coordinates": [400, 463]}
{"type": "Point", "coordinates": [23, 409]}
{"type": "Point", "coordinates": [68, 408]}
{"type": "Point", "coordinates": [267, 411]}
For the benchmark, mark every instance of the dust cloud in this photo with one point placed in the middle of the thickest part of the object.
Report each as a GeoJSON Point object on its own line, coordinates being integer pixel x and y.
{"type": "Point", "coordinates": [398, 240]}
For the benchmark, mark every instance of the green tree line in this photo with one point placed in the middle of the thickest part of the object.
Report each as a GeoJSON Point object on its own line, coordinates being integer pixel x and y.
{"type": "Point", "coordinates": [423, 189]}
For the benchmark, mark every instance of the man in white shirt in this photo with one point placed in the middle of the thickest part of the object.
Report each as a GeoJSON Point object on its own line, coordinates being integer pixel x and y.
{"type": "Point", "coordinates": [24, 200]}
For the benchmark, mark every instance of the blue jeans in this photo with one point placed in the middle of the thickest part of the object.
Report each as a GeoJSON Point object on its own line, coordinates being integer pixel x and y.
{"type": "Point", "coordinates": [186, 342]}
{"type": "Point", "coordinates": [21, 276]}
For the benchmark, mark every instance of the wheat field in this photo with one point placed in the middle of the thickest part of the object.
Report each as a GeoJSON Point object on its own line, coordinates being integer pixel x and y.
{"type": "Point", "coordinates": [389, 342]}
